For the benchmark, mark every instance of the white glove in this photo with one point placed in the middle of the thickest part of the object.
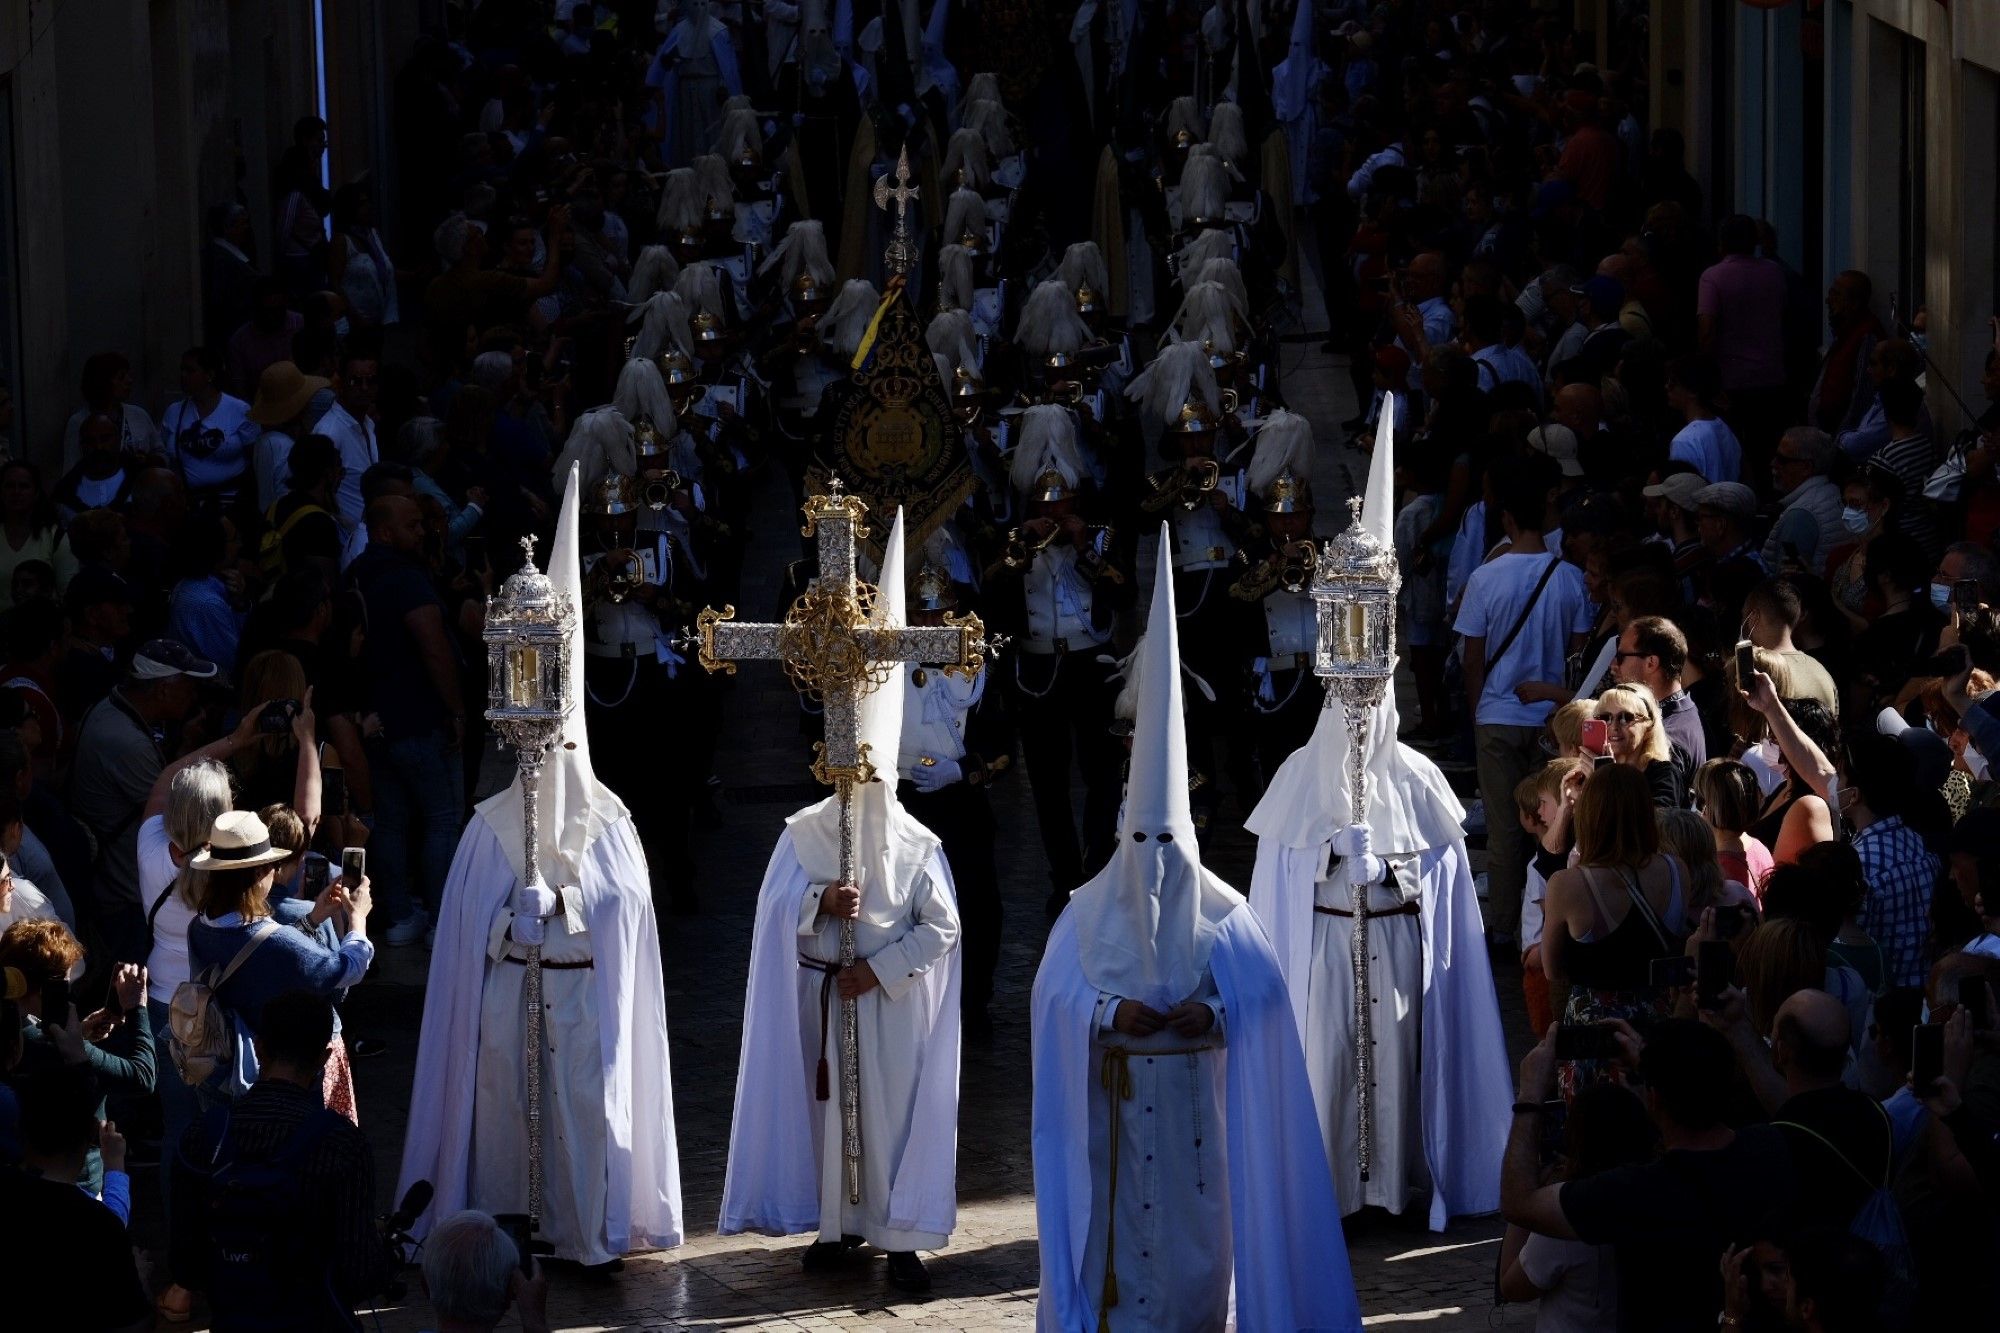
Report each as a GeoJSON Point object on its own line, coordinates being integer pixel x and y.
{"type": "Point", "coordinates": [533, 904]}
{"type": "Point", "coordinates": [1354, 845]}
{"type": "Point", "coordinates": [932, 776]}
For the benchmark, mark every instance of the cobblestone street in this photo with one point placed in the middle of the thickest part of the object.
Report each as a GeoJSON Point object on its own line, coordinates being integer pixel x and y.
{"type": "Point", "coordinates": [987, 1278]}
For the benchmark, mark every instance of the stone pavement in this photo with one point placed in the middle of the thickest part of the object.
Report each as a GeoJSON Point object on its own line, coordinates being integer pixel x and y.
{"type": "Point", "coordinates": [987, 1278]}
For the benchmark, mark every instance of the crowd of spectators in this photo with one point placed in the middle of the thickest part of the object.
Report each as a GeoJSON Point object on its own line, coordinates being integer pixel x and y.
{"type": "Point", "coordinates": [1723, 596]}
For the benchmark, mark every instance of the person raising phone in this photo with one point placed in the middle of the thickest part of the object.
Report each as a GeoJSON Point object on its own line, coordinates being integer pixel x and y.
{"type": "Point", "coordinates": [1635, 737]}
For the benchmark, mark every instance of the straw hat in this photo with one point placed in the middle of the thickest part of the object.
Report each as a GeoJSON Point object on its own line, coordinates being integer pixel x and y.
{"type": "Point", "coordinates": [239, 842]}
{"type": "Point", "coordinates": [283, 391]}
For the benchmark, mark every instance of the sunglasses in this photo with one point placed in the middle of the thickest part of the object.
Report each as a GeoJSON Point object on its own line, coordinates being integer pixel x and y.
{"type": "Point", "coordinates": [1623, 719]}
{"type": "Point", "coordinates": [1621, 656]}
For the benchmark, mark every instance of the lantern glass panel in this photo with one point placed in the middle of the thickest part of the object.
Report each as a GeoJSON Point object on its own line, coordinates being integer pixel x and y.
{"type": "Point", "coordinates": [524, 675]}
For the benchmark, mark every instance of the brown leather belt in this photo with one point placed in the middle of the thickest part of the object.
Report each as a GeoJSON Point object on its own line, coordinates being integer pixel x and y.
{"type": "Point", "coordinates": [1406, 909]}
{"type": "Point", "coordinates": [547, 965]}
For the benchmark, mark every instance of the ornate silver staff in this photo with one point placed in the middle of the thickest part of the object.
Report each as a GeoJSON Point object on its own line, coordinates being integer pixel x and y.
{"type": "Point", "coordinates": [1354, 591]}
{"type": "Point", "coordinates": [528, 627]}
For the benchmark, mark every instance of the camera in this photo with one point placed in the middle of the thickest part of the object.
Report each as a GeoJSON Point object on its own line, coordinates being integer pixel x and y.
{"type": "Point", "coordinates": [275, 718]}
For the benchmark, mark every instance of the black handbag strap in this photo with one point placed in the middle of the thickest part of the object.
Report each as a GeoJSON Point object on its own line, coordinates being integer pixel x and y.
{"type": "Point", "coordinates": [1521, 621]}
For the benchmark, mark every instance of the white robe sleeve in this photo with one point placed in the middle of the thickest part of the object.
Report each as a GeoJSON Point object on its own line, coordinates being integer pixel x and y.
{"type": "Point", "coordinates": [898, 964]}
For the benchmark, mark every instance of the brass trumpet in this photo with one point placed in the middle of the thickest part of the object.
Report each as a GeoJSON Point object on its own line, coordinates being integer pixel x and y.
{"type": "Point", "coordinates": [1296, 562]}
{"type": "Point", "coordinates": [658, 489]}
{"type": "Point", "coordinates": [623, 575]}
{"type": "Point", "coordinates": [1187, 485]}
{"type": "Point", "coordinates": [1021, 551]}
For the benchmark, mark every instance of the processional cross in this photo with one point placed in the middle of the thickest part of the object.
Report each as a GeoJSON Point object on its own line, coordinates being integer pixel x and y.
{"type": "Point", "coordinates": [836, 646]}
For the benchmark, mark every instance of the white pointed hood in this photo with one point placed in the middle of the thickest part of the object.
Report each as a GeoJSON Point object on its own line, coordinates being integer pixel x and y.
{"type": "Point", "coordinates": [1410, 805]}
{"type": "Point", "coordinates": [890, 847]}
{"type": "Point", "coordinates": [574, 808]}
{"type": "Point", "coordinates": [1146, 922]}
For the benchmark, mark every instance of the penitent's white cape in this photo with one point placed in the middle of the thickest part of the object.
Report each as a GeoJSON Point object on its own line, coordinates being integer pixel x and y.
{"type": "Point", "coordinates": [1462, 1084]}
{"type": "Point", "coordinates": [786, 1173]}
{"type": "Point", "coordinates": [611, 1171]}
{"type": "Point", "coordinates": [1256, 1211]}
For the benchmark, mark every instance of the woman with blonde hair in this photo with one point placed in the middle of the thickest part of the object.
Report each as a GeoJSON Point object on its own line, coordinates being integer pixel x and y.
{"type": "Point", "coordinates": [1637, 738]}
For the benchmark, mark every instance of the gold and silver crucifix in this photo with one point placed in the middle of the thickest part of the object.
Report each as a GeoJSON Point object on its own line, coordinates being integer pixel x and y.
{"type": "Point", "coordinates": [837, 646]}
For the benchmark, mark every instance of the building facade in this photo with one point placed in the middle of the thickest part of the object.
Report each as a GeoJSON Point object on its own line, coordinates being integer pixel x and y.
{"type": "Point", "coordinates": [121, 123]}
{"type": "Point", "coordinates": [1865, 132]}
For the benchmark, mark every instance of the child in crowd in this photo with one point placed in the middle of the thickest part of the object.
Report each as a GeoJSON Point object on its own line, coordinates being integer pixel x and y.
{"type": "Point", "coordinates": [1542, 801]}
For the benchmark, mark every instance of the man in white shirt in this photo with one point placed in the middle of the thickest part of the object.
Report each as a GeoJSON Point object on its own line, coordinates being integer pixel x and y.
{"type": "Point", "coordinates": [1524, 612]}
{"type": "Point", "coordinates": [350, 424]}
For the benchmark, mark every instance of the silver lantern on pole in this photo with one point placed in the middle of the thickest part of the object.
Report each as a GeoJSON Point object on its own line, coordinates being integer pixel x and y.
{"type": "Point", "coordinates": [1354, 596]}
{"type": "Point", "coordinates": [528, 627]}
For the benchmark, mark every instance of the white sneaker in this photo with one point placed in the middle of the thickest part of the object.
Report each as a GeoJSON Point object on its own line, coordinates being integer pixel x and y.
{"type": "Point", "coordinates": [409, 930]}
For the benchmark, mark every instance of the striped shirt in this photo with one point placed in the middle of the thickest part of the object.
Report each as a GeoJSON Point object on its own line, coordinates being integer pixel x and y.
{"type": "Point", "coordinates": [1913, 460]}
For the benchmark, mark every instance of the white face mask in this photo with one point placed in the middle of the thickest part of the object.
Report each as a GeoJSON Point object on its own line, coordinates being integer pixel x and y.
{"type": "Point", "coordinates": [1855, 520]}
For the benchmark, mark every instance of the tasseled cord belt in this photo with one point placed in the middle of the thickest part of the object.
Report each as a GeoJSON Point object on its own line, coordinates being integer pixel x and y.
{"type": "Point", "coordinates": [823, 1087]}
{"type": "Point", "coordinates": [1114, 1072]}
